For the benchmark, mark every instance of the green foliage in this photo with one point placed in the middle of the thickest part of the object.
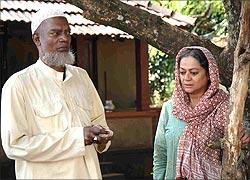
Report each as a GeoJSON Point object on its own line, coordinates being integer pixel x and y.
{"type": "Point", "coordinates": [161, 76]}
{"type": "Point", "coordinates": [211, 18]}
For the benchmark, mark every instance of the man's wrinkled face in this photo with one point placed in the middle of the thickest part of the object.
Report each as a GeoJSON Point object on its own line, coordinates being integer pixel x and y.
{"type": "Point", "coordinates": [55, 35]}
{"type": "Point", "coordinates": [54, 42]}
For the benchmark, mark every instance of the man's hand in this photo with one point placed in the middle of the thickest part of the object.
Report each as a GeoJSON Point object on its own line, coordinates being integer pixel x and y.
{"type": "Point", "coordinates": [104, 138]}
{"type": "Point", "coordinates": [97, 134]}
{"type": "Point", "coordinates": [91, 133]}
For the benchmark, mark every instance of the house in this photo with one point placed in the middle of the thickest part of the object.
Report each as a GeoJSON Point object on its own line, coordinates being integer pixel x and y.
{"type": "Point", "coordinates": [116, 62]}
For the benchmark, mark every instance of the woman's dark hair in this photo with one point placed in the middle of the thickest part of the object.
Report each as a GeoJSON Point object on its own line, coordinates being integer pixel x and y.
{"type": "Point", "coordinates": [197, 54]}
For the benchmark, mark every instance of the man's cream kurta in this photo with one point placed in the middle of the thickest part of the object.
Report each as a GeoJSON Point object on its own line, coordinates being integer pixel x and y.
{"type": "Point", "coordinates": [42, 120]}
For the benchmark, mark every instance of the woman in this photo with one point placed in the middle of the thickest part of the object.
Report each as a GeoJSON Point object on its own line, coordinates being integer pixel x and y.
{"type": "Point", "coordinates": [192, 119]}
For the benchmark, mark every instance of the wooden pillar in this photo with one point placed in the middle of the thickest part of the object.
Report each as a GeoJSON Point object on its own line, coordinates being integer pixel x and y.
{"type": "Point", "coordinates": [142, 83]}
{"type": "Point", "coordinates": [3, 56]}
{"type": "Point", "coordinates": [87, 57]}
{"type": "Point", "coordinates": [1, 51]}
{"type": "Point", "coordinates": [3, 78]}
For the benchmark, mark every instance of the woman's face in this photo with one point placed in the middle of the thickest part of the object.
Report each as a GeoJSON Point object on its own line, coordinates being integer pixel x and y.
{"type": "Point", "coordinates": [194, 78]}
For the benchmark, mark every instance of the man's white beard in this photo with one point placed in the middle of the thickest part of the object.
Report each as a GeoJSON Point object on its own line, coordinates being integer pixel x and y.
{"type": "Point", "coordinates": [58, 59]}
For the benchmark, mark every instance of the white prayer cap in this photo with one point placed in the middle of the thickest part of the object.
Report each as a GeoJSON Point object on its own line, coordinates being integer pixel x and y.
{"type": "Point", "coordinates": [46, 11]}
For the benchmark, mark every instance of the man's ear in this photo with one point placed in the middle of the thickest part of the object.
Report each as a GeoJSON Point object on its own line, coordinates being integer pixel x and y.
{"type": "Point", "coordinates": [36, 39]}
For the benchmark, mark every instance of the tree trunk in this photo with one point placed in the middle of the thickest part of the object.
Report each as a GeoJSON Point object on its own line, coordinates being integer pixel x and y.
{"type": "Point", "coordinates": [225, 62]}
{"type": "Point", "coordinates": [238, 94]}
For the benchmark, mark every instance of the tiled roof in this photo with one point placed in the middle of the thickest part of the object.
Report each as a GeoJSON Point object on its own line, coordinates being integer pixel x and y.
{"type": "Point", "coordinates": [168, 15]}
{"type": "Point", "coordinates": [20, 10]}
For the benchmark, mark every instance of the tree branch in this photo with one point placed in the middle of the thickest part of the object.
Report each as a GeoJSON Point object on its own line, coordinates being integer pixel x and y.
{"type": "Point", "coordinates": [141, 24]}
{"type": "Point", "coordinates": [203, 17]}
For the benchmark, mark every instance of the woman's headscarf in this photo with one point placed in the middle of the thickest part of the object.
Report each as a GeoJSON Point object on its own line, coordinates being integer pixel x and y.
{"type": "Point", "coordinates": [205, 123]}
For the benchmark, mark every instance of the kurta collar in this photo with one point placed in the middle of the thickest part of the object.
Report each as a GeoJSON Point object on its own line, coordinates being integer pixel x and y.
{"type": "Point", "coordinates": [52, 72]}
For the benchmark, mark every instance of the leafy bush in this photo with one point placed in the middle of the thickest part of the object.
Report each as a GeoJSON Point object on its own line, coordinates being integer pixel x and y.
{"type": "Point", "coordinates": [161, 76]}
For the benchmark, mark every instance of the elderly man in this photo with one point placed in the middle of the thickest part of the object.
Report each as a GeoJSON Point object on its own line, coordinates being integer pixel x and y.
{"type": "Point", "coordinates": [53, 122]}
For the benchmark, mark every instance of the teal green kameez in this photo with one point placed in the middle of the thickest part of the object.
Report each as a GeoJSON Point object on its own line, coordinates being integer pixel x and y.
{"type": "Point", "coordinates": [169, 130]}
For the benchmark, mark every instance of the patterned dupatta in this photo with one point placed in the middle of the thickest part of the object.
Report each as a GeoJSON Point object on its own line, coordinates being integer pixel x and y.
{"type": "Point", "coordinates": [205, 123]}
